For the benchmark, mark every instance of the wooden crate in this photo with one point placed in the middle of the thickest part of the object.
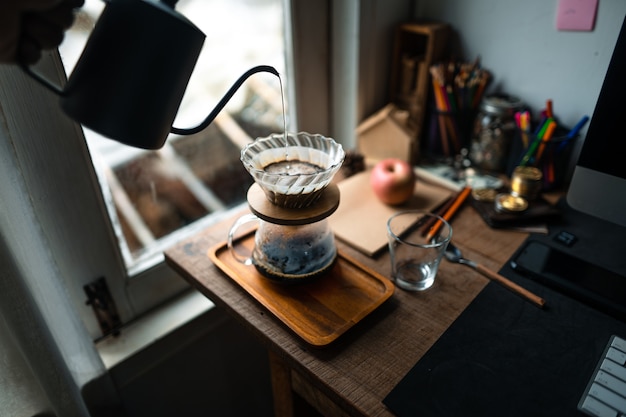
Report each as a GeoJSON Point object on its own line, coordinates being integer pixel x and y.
{"type": "Point", "coordinates": [417, 46]}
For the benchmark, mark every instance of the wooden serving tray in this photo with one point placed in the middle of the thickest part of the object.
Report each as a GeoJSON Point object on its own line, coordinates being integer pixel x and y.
{"type": "Point", "coordinates": [318, 311]}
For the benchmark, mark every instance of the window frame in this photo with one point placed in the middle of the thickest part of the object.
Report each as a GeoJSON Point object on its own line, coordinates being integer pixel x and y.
{"type": "Point", "coordinates": [60, 183]}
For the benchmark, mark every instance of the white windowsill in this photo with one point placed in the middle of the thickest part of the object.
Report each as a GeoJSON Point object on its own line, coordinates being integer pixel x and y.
{"type": "Point", "coordinates": [152, 327]}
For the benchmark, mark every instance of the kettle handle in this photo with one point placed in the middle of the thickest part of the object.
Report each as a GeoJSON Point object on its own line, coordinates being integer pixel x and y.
{"type": "Point", "coordinates": [41, 80]}
{"type": "Point", "coordinates": [229, 94]}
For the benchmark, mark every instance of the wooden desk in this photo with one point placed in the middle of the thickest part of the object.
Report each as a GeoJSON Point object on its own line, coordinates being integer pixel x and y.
{"type": "Point", "coordinates": [352, 376]}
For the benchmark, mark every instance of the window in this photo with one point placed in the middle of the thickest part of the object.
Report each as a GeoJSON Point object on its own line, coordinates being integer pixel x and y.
{"type": "Point", "coordinates": [158, 196]}
{"type": "Point", "coordinates": [155, 198]}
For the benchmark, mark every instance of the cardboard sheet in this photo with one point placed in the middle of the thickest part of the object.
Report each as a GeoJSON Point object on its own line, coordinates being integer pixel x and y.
{"type": "Point", "coordinates": [361, 219]}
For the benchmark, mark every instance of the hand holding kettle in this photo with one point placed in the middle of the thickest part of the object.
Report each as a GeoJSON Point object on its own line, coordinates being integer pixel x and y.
{"type": "Point", "coordinates": [29, 26]}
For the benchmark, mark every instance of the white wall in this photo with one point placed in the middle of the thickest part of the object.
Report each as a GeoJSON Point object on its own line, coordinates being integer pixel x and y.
{"type": "Point", "coordinates": [518, 41]}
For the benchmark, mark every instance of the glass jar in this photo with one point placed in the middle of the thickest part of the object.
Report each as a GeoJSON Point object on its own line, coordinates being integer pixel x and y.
{"type": "Point", "coordinates": [290, 245]}
{"type": "Point", "coordinates": [494, 129]}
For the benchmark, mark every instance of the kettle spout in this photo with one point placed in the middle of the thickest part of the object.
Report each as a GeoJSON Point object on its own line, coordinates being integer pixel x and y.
{"type": "Point", "coordinates": [229, 94]}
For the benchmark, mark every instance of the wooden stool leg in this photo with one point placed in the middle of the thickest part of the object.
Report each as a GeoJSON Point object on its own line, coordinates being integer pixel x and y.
{"type": "Point", "coordinates": [281, 386]}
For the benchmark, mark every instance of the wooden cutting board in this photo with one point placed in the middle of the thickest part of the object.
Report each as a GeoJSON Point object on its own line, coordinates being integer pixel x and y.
{"type": "Point", "coordinates": [361, 218]}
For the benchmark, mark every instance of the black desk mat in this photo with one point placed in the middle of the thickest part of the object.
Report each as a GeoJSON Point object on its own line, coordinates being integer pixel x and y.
{"type": "Point", "coordinates": [505, 357]}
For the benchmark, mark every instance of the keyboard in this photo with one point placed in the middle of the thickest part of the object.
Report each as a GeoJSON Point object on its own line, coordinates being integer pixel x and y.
{"type": "Point", "coordinates": [605, 395]}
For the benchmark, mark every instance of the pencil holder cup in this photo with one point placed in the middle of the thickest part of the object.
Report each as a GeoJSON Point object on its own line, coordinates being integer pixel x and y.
{"type": "Point", "coordinates": [552, 156]}
{"type": "Point", "coordinates": [448, 132]}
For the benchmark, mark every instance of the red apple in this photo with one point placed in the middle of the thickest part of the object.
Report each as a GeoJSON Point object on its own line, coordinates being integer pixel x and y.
{"type": "Point", "coordinates": [393, 181]}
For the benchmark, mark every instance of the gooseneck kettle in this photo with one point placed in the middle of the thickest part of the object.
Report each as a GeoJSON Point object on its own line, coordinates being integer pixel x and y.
{"type": "Point", "coordinates": [131, 76]}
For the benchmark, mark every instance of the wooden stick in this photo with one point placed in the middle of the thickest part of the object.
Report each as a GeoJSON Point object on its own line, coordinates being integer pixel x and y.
{"type": "Point", "coordinates": [450, 212]}
{"type": "Point", "coordinates": [425, 228]}
{"type": "Point", "coordinates": [510, 285]}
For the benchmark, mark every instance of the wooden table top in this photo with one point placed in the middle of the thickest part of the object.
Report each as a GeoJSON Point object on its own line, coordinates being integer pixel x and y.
{"type": "Point", "coordinates": [359, 369]}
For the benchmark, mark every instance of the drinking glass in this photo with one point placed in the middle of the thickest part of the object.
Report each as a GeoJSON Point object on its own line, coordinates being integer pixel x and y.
{"type": "Point", "coordinates": [415, 260]}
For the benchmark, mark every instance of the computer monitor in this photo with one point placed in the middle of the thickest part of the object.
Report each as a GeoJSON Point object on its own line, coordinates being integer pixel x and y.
{"type": "Point", "coordinates": [598, 185]}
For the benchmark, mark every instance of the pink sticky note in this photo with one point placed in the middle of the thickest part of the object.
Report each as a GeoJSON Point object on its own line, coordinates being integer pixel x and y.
{"type": "Point", "coordinates": [576, 14]}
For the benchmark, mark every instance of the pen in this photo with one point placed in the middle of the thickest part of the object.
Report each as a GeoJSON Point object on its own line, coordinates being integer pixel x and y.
{"type": "Point", "coordinates": [572, 133]}
{"type": "Point", "coordinates": [540, 125]}
{"type": "Point", "coordinates": [549, 112]}
{"type": "Point", "coordinates": [546, 137]}
{"type": "Point", "coordinates": [525, 125]}
{"type": "Point", "coordinates": [541, 130]}
{"type": "Point", "coordinates": [449, 212]}
{"type": "Point", "coordinates": [544, 128]}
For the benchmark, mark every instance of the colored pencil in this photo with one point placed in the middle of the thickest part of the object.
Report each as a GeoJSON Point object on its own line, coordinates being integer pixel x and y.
{"type": "Point", "coordinates": [458, 89]}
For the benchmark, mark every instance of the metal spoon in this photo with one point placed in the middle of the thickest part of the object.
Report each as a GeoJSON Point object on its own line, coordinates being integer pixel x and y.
{"type": "Point", "coordinates": [453, 254]}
